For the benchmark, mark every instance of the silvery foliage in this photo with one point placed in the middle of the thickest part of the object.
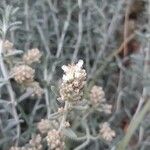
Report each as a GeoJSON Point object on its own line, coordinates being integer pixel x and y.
{"type": "Point", "coordinates": [66, 31]}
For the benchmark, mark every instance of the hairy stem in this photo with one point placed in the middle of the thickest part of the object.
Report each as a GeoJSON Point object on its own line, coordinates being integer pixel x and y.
{"type": "Point", "coordinates": [133, 126]}
{"type": "Point", "coordinates": [10, 91]}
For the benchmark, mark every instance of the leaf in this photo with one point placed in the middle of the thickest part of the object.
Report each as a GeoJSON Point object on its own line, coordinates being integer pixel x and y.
{"type": "Point", "coordinates": [16, 23]}
{"type": "Point", "coordinates": [15, 52]}
{"type": "Point", "coordinates": [69, 133]}
{"type": "Point", "coordinates": [14, 11]}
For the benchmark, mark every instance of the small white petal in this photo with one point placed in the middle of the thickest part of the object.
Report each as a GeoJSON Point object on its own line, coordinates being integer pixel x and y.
{"type": "Point", "coordinates": [77, 74]}
{"type": "Point", "coordinates": [65, 78]}
{"type": "Point", "coordinates": [70, 76]}
{"type": "Point", "coordinates": [80, 63]}
{"type": "Point", "coordinates": [65, 68]}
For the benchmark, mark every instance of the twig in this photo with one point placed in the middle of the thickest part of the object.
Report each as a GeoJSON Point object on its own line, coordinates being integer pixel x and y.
{"type": "Point", "coordinates": [80, 30]}
{"type": "Point", "coordinates": [133, 126]}
{"type": "Point", "coordinates": [109, 34]}
{"type": "Point", "coordinates": [45, 43]}
{"type": "Point", "coordinates": [145, 92]}
{"type": "Point", "coordinates": [46, 92]}
{"type": "Point", "coordinates": [64, 116]}
{"type": "Point", "coordinates": [25, 96]}
{"type": "Point", "coordinates": [10, 91]}
{"type": "Point", "coordinates": [126, 24]}
{"type": "Point", "coordinates": [26, 12]}
{"type": "Point", "coordinates": [119, 89]}
{"type": "Point", "coordinates": [55, 20]}
{"type": "Point", "coordinates": [61, 42]}
{"type": "Point", "coordinates": [84, 144]}
{"type": "Point", "coordinates": [65, 28]}
{"type": "Point", "coordinates": [125, 48]}
{"type": "Point", "coordinates": [108, 59]}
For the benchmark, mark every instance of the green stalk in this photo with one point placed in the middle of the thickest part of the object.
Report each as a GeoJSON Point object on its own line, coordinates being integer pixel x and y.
{"type": "Point", "coordinates": [133, 126]}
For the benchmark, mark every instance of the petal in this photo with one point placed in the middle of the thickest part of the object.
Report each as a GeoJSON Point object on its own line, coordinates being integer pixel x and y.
{"type": "Point", "coordinates": [65, 68]}
{"type": "Point", "coordinates": [80, 63]}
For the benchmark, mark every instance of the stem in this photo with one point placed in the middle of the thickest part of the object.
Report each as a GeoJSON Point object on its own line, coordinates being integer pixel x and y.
{"type": "Point", "coordinates": [126, 24]}
{"type": "Point", "coordinates": [27, 27]}
{"type": "Point", "coordinates": [133, 126]}
{"type": "Point", "coordinates": [108, 59]}
{"type": "Point", "coordinates": [109, 35]}
{"type": "Point", "coordinates": [64, 116]}
{"type": "Point", "coordinates": [10, 91]}
{"type": "Point", "coordinates": [60, 43]}
{"type": "Point", "coordinates": [46, 93]}
{"type": "Point", "coordinates": [47, 102]}
{"type": "Point", "coordinates": [84, 144]}
{"type": "Point", "coordinates": [80, 30]}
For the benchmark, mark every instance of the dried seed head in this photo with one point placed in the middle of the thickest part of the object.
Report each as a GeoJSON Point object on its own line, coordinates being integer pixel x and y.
{"type": "Point", "coordinates": [55, 140]}
{"type": "Point", "coordinates": [106, 132]}
{"type": "Point", "coordinates": [23, 74]}
{"type": "Point", "coordinates": [73, 82]}
{"type": "Point", "coordinates": [97, 95]}
{"type": "Point", "coordinates": [32, 56]}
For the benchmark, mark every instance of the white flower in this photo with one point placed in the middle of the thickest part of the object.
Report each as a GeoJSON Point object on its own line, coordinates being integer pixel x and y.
{"type": "Point", "coordinates": [73, 82]}
{"type": "Point", "coordinates": [72, 71]}
{"type": "Point", "coordinates": [55, 140]}
{"type": "Point", "coordinates": [68, 77]}
{"type": "Point", "coordinates": [64, 68]}
{"type": "Point", "coordinates": [107, 108]}
{"type": "Point", "coordinates": [32, 56]}
{"type": "Point", "coordinates": [23, 73]}
{"type": "Point", "coordinates": [97, 95]}
{"type": "Point", "coordinates": [80, 63]}
{"type": "Point", "coordinates": [106, 132]}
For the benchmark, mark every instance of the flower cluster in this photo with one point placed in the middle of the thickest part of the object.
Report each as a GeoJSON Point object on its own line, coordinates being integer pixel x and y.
{"type": "Point", "coordinates": [106, 132]}
{"type": "Point", "coordinates": [35, 143]}
{"type": "Point", "coordinates": [23, 74]}
{"type": "Point", "coordinates": [107, 108]}
{"type": "Point", "coordinates": [36, 89]}
{"type": "Point", "coordinates": [97, 95]}
{"type": "Point", "coordinates": [7, 47]}
{"type": "Point", "coordinates": [97, 99]}
{"type": "Point", "coordinates": [66, 124]}
{"type": "Point", "coordinates": [15, 148]}
{"type": "Point", "coordinates": [73, 82]}
{"type": "Point", "coordinates": [71, 90]}
{"type": "Point", "coordinates": [32, 56]}
{"type": "Point", "coordinates": [55, 140]}
{"type": "Point", "coordinates": [45, 125]}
